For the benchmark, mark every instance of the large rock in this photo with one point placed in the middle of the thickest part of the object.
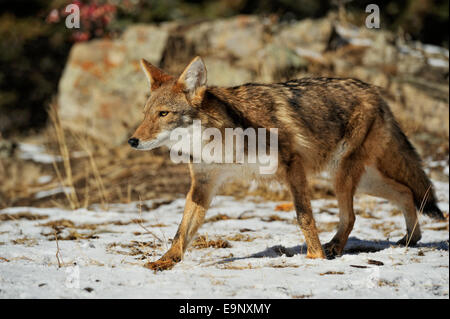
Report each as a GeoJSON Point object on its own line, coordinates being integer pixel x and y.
{"type": "Point", "coordinates": [103, 90]}
{"type": "Point", "coordinates": [277, 62]}
{"type": "Point", "coordinates": [429, 103]}
{"type": "Point", "coordinates": [306, 34]}
{"type": "Point", "coordinates": [239, 37]}
{"type": "Point", "coordinates": [223, 73]}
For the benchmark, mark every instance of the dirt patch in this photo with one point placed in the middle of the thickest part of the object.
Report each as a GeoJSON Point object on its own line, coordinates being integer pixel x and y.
{"type": "Point", "coordinates": [61, 223]}
{"type": "Point", "coordinates": [375, 262]}
{"type": "Point", "coordinates": [276, 218]}
{"type": "Point", "coordinates": [287, 207]}
{"type": "Point", "coordinates": [384, 282]}
{"type": "Point", "coordinates": [284, 265]}
{"type": "Point", "coordinates": [359, 266]}
{"type": "Point", "coordinates": [238, 267]}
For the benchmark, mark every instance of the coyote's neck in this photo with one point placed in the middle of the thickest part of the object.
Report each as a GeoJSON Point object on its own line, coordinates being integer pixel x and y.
{"type": "Point", "coordinates": [221, 108]}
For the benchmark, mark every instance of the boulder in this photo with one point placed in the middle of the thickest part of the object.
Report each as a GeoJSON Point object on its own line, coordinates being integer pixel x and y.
{"type": "Point", "coordinates": [102, 90]}
{"type": "Point", "coordinates": [222, 73]}
{"type": "Point", "coordinates": [277, 62]}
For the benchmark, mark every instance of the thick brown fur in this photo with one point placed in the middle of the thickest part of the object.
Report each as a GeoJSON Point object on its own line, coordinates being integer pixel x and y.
{"type": "Point", "coordinates": [335, 124]}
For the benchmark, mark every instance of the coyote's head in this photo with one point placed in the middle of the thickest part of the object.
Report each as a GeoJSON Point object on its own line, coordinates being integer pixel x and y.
{"type": "Point", "coordinates": [172, 104]}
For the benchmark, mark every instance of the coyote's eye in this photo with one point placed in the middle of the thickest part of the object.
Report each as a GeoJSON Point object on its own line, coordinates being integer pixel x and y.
{"type": "Point", "coordinates": [163, 113]}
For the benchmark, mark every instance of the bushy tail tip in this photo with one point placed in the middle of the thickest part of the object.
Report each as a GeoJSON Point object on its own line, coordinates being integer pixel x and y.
{"type": "Point", "coordinates": [432, 210]}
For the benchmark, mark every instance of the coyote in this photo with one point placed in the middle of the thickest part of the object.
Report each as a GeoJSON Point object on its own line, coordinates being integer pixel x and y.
{"type": "Point", "coordinates": [341, 125]}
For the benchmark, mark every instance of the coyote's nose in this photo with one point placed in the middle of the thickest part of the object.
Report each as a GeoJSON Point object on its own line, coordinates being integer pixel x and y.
{"type": "Point", "coordinates": [134, 142]}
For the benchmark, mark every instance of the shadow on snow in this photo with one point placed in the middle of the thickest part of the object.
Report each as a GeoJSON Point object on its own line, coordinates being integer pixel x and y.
{"type": "Point", "coordinates": [354, 246]}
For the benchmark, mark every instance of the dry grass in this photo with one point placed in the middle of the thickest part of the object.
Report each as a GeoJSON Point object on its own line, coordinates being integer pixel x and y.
{"type": "Point", "coordinates": [65, 223]}
{"type": "Point", "coordinates": [287, 207]}
{"type": "Point", "coordinates": [72, 235]}
{"type": "Point", "coordinates": [217, 218]}
{"type": "Point", "coordinates": [202, 242]}
{"type": "Point", "coordinates": [284, 265]}
{"type": "Point", "coordinates": [332, 273]}
{"type": "Point", "coordinates": [26, 241]}
{"type": "Point", "coordinates": [241, 237]}
{"type": "Point", "coordinates": [67, 180]}
{"type": "Point", "coordinates": [230, 266]}
{"type": "Point", "coordinates": [384, 282]}
{"type": "Point", "coordinates": [83, 142]}
{"type": "Point", "coordinates": [134, 248]}
{"type": "Point", "coordinates": [24, 215]}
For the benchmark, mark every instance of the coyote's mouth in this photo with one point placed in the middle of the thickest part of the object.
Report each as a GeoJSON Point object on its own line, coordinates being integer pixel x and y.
{"type": "Point", "coordinates": [159, 141]}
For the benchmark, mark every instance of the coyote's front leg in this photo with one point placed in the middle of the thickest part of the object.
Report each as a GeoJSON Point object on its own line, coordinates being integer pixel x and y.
{"type": "Point", "coordinates": [296, 179]}
{"type": "Point", "coordinates": [197, 202]}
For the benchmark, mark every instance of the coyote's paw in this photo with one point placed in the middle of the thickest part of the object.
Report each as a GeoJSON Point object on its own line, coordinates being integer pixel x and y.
{"type": "Point", "coordinates": [332, 249]}
{"type": "Point", "coordinates": [160, 265]}
{"type": "Point", "coordinates": [409, 241]}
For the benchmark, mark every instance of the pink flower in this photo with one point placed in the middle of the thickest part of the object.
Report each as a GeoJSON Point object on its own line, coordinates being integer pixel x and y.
{"type": "Point", "coordinates": [53, 16]}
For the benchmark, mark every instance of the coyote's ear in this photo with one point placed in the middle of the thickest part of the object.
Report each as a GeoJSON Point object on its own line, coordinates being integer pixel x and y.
{"type": "Point", "coordinates": [155, 76]}
{"type": "Point", "coordinates": [193, 80]}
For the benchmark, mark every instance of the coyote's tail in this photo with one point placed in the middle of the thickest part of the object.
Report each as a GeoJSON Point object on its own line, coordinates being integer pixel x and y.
{"type": "Point", "coordinates": [408, 171]}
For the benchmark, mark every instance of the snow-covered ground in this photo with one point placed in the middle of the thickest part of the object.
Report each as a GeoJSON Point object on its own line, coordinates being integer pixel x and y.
{"type": "Point", "coordinates": [103, 253]}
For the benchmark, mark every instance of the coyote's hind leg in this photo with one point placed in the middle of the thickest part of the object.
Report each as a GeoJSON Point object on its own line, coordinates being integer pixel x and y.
{"type": "Point", "coordinates": [375, 183]}
{"type": "Point", "coordinates": [345, 181]}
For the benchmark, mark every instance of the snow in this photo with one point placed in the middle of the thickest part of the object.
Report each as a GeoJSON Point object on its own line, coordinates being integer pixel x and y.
{"type": "Point", "coordinates": [438, 63]}
{"type": "Point", "coordinates": [42, 194]}
{"type": "Point", "coordinates": [271, 264]}
{"type": "Point", "coordinates": [434, 49]}
{"type": "Point", "coordinates": [37, 153]}
{"type": "Point", "coordinates": [44, 179]}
